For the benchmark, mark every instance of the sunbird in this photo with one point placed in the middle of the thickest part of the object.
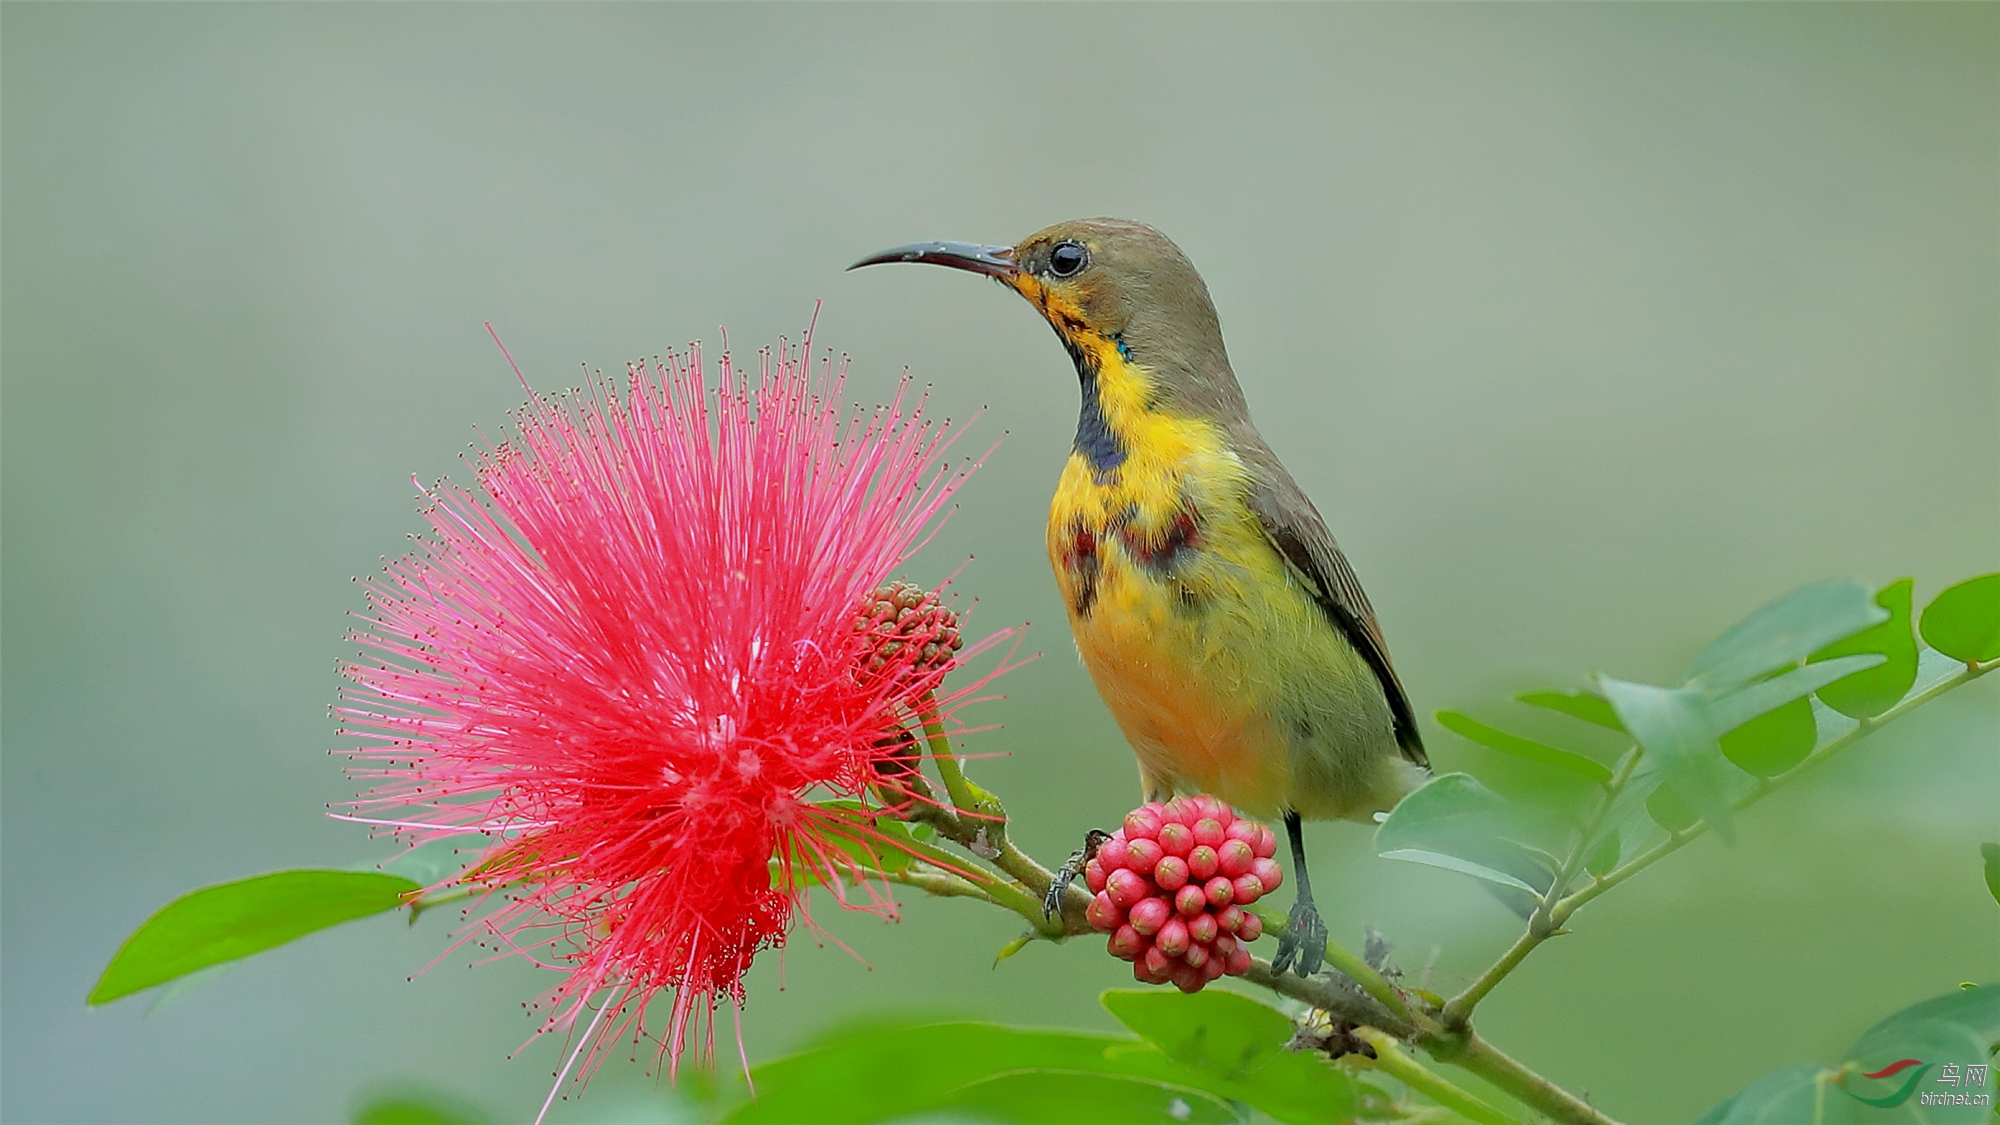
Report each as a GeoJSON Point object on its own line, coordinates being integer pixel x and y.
{"type": "Point", "coordinates": [1223, 627]}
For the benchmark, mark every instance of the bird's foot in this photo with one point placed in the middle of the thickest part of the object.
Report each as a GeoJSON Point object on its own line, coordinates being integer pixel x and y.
{"type": "Point", "coordinates": [1071, 868]}
{"type": "Point", "coordinates": [1303, 946]}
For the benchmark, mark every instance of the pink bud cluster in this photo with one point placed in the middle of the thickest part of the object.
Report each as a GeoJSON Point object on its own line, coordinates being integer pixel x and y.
{"type": "Point", "coordinates": [1170, 887]}
{"type": "Point", "coordinates": [900, 616]}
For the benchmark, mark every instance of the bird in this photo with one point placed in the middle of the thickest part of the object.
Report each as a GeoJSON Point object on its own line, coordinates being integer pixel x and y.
{"type": "Point", "coordinates": [1218, 619]}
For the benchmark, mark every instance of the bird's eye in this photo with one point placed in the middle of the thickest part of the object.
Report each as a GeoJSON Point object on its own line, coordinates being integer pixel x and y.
{"type": "Point", "coordinates": [1066, 259]}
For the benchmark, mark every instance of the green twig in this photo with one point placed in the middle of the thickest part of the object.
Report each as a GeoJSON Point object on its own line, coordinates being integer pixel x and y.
{"type": "Point", "coordinates": [941, 884]}
{"type": "Point", "coordinates": [1675, 841]}
{"type": "Point", "coordinates": [1463, 1049]}
{"type": "Point", "coordinates": [1360, 971]}
{"type": "Point", "coordinates": [1553, 913]}
{"type": "Point", "coordinates": [978, 822]}
{"type": "Point", "coordinates": [955, 785]}
{"type": "Point", "coordinates": [1391, 1059]}
{"type": "Point", "coordinates": [1457, 1014]}
{"type": "Point", "coordinates": [1467, 1051]}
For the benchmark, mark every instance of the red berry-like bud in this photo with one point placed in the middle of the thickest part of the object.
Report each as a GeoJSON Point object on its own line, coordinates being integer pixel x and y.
{"type": "Point", "coordinates": [1208, 830]}
{"type": "Point", "coordinates": [1144, 975]}
{"type": "Point", "coordinates": [1127, 944]}
{"type": "Point", "coordinates": [1103, 913]}
{"type": "Point", "coordinates": [1178, 811]}
{"type": "Point", "coordinates": [1202, 928]}
{"type": "Point", "coordinates": [1149, 915]}
{"type": "Point", "coordinates": [1224, 945]}
{"type": "Point", "coordinates": [1251, 929]}
{"type": "Point", "coordinates": [1230, 919]}
{"type": "Point", "coordinates": [1187, 978]}
{"type": "Point", "coordinates": [1268, 873]}
{"type": "Point", "coordinates": [1093, 876]}
{"type": "Point", "coordinates": [1236, 858]}
{"type": "Point", "coordinates": [1266, 843]}
{"type": "Point", "coordinates": [1176, 839]}
{"type": "Point", "coordinates": [1172, 873]}
{"type": "Point", "coordinates": [1142, 823]}
{"type": "Point", "coordinates": [1213, 809]}
{"type": "Point", "coordinates": [1142, 856]}
{"type": "Point", "coordinates": [1216, 967]}
{"type": "Point", "coordinates": [1191, 900]}
{"type": "Point", "coordinates": [1220, 892]}
{"type": "Point", "coordinates": [1173, 938]}
{"type": "Point", "coordinates": [1202, 863]}
{"type": "Point", "coordinates": [1155, 961]}
{"type": "Point", "coordinates": [1197, 954]}
{"type": "Point", "coordinates": [1247, 831]}
{"type": "Point", "coordinates": [1111, 853]}
{"type": "Point", "coordinates": [1126, 888]}
{"type": "Point", "coordinates": [1237, 963]}
{"type": "Point", "coordinates": [1249, 889]}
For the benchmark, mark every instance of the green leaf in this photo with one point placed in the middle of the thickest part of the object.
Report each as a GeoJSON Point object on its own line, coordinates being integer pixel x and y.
{"type": "Point", "coordinates": [1669, 811]}
{"type": "Point", "coordinates": [1963, 622]}
{"type": "Point", "coordinates": [1959, 1027]}
{"type": "Point", "coordinates": [1237, 1045]}
{"type": "Point", "coordinates": [1462, 866]}
{"type": "Point", "coordinates": [1991, 853]}
{"type": "Point", "coordinates": [1974, 1010]}
{"type": "Point", "coordinates": [232, 920]}
{"type": "Point", "coordinates": [1774, 741]}
{"type": "Point", "coordinates": [1515, 745]}
{"type": "Point", "coordinates": [1227, 1033]}
{"type": "Point", "coordinates": [1456, 823]}
{"type": "Point", "coordinates": [1643, 781]}
{"type": "Point", "coordinates": [1583, 705]}
{"type": "Point", "coordinates": [1727, 712]}
{"type": "Point", "coordinates": [1799, 1095]}
{"type": "Point", "coordinates": [1674, 729]}
{"type": "Point", "coordinates": [1604, 858]}
{"type": "Point", "coordinates": [1783, 632]}
{"type": "Point", "coordinates": [1869, 693]}
{"type": "Point", "coordinates": [1054, 1097]}
{"type": "Point", "coordinates": [887, 1072]}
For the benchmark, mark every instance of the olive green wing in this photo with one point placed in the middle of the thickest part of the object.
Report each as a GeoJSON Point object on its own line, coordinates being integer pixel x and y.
{"type": "Point", "coordinates": [1296, 530]}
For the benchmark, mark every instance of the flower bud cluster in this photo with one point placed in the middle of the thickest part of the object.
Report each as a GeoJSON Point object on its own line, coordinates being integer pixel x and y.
{"type": "Point", "coordinates": [903, 615]}
{"type": "Point", "coordinates": [1170, 887]}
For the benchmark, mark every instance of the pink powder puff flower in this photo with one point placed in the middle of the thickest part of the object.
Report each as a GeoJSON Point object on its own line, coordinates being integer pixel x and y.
{"type": "Point", "coordinates": [636, 659]}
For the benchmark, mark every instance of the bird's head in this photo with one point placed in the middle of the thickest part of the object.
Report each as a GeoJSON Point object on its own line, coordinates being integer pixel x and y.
{"type": "Point", "coordinates": [1109, 287]}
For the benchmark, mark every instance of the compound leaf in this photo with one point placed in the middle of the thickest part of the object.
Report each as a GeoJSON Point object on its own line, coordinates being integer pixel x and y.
{"type": "Point", "coordinates": [1527, 748]}
{"type": "Point", "coordinates": [1784, 632]}
{"type": "Point", "coordinates": [1963, 622]}
{"type": "Point", "coordinates": [1870, 692]}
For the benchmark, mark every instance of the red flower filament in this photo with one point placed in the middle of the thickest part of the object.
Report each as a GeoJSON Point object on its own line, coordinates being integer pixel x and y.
{"type": "Point", "coordinates": [631, 658]}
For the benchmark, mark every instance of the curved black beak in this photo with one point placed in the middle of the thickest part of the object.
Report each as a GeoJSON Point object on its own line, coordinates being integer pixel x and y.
{"type": "Point", "coordinates": [993, 261]}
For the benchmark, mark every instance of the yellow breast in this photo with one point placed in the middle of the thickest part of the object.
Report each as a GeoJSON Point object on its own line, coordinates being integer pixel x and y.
{"type": "Point", "coordinates": [1217, 665]}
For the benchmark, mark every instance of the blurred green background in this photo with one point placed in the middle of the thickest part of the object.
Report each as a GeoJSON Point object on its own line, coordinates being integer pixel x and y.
{"type": "Point", "coordinates": [1588, 328]}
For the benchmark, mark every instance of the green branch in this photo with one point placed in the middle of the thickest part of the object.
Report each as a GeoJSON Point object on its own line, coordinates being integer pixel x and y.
{"type": "Point", "coordinates": [1463, 1049]}
{"type": "Point", "coordinates": [1391, 1059]}
{"type": "Point", "coordinates": [1676, 840]}
{"type": "Point", "coordinates": [1361, 973]}
{"type": "Point", "coordinates": [1553, 913]}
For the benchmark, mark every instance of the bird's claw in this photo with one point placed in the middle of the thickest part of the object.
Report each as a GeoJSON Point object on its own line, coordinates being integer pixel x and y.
{"type": "Point", "coordinates": [1071, 868]}
{"type": "Point", "coordinates": [1303, 945]}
